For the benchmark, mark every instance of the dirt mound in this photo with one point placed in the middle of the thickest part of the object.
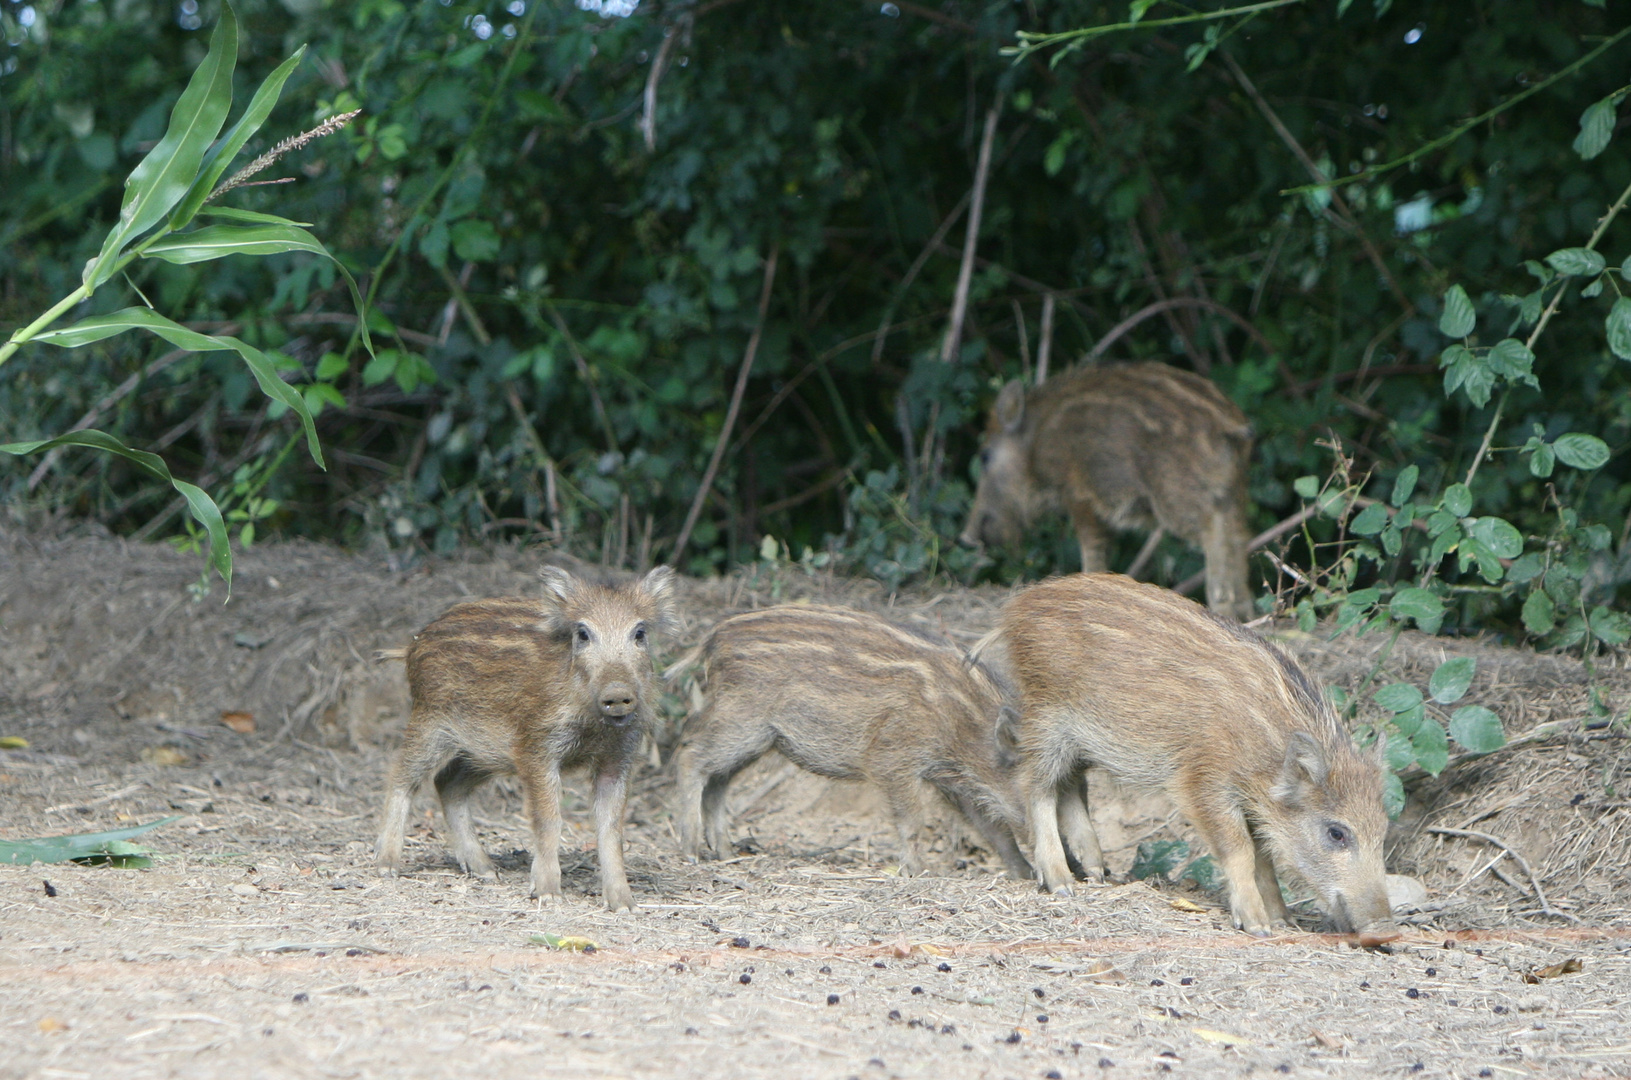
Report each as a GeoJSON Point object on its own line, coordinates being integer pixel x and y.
{"type": "Point", "coordinates": [262, 943]}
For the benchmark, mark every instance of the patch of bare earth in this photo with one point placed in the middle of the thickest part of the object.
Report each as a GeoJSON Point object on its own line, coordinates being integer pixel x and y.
{"type": "Point", "coordinates": [262, 944]}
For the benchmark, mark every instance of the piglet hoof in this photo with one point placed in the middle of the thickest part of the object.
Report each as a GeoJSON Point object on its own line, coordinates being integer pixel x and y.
{"type": "Point", "coordinates": [619, 899]}
{"type": "Point", "coordinates": [1379, 934]}
{"type": "Point", "coordinates": [1063, 892]}
{"type": "Point", "coordinates": [386, 870]}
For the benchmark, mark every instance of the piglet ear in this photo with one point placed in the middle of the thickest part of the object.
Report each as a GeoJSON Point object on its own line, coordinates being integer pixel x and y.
{"type": "Point", "coordinates": [1010, 407]}
{"type": "Point", "coordinates": [658, 584]}
{"type": "Point", "coordinates": [559, 585]}
{"type": "Point", "coordinates": [1303, 770]}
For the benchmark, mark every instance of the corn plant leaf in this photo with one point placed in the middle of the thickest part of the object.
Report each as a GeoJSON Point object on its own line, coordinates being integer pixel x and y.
{"type": "Point", "coordinates": [218, 241]}
{"type": "Point", "coordinates": [199, 504]}
{"type": "Point", "coordinates": [56, 849]}
{"type": "Point", "coordinates": [165, 174]}
{"type": "Point", "coordinates": [251, 217]}
{"type": "Point", "coordinates": [98, 327]}
{"type": "Point", "coordinates": [221, 154]}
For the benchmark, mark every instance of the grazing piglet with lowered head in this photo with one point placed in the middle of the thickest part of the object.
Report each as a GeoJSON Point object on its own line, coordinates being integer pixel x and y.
{"type": "Point", "coordinates": [1166, 695]}
{"type": "Point", "coordinates": [1122, 446]}
{"type": "Point", "coordinates": [850, 696]}
{"type": "Point", "coordinates": [530, 687]}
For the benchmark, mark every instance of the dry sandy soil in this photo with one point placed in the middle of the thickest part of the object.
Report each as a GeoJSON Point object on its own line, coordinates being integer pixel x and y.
{"type": "Point", "coordinates": [261, 943]}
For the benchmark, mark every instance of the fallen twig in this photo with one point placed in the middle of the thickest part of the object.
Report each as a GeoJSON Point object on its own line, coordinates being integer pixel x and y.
{"type": "Point", "coordinates": [1546, 907]}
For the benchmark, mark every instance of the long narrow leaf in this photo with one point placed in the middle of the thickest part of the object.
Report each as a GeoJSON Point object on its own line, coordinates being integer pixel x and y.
{"type": "Point", "coordinates": [56, 849]}
{"type": "Point", "coordinates": [252, 217]}
{"type": "Point", "coordinates": [165, 174]}
{"type": "Point", "coordinates": [272, 385]}
{"type": "Point", "coordinates": [222, 153]}
{"type": "Point", "coordinates": [199, 504]}
{"type": "Point", "coordinates": [216, 241]}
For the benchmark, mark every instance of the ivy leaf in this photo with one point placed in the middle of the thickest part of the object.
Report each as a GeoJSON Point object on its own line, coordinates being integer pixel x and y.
{"type": "Point", "coordinates": [1611, 627]}
{"type": "Point", "coordinates": [1478, 729]}
{"type": "Point", "coordinates": [1539, 613]}
{"type": "Point", "coordinates": [1458, 499]}
{"type": "Point", "coordinates": [1578, 262]}
{"type": "Point", "coordinates": [1581, 451]}
{"type": "Point", "coordinates": [1619, 328]}
{"type": "Point", "coordinates": [1392, 794]}
{"type": "Point", "coordinates": [1404, 484]}
{"type": "Point", "coordinates": [1458, 318]}
{"type": "Point", "coordinates": [1398, 697]}
{"type": "Point", "coordinates": [1451, 679]}
{"type": "Point", "coordinates": [1432, 747]}
{"type": "Point", "coordinates": [1512, 359]}
{"type": "Point", "coordinates": [1596, 127]}
{"type": "Point", "coordinates": [1418, 604]}
{"type": "Point", "coordinates": [1371, 520]}
{"type": "Point", "coordinates": [1498, 535]}
{"type": "Point", "coordinates": [1543, 461]}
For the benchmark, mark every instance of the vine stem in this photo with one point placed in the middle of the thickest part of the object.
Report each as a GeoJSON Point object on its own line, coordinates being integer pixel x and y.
{"type": "Point", "coordinates": [1540, 325]}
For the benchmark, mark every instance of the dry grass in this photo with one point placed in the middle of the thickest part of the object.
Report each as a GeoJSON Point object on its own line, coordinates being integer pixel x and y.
{"type": "Point", "coordinates": [194, 967]}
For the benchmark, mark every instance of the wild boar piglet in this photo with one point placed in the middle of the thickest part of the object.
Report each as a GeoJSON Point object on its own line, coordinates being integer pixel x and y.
{"type": "Point", "coordinates": [850, 696]}
{"type": "Point", "coordinates": [530, 687]}
{"type": "Point", "coordinates": [1121, 446]}
{"type": "Point", "coordinates": [1166, 695]}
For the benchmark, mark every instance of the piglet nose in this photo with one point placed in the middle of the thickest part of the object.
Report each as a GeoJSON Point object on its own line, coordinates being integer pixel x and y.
{"type": "Point", "coordinates": [616, 700]}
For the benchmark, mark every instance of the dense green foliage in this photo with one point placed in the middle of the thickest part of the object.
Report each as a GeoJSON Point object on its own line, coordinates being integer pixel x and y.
{"type": "Point", "coordinates": [529, 256]}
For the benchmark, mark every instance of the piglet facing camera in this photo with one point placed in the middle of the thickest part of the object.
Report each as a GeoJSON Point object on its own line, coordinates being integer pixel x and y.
{"type": "Point", "coordinates": [528, 687]}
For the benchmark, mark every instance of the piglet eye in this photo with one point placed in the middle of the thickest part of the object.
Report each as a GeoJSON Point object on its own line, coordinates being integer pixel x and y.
{"type": "Point", "coordinates": [583, 635]}
{"type": "Point", "coordinates": [985, 458]}
{"type": "Point", "coordinates": [640, 635]}
{"type": "Point", "coordinates": [1337, 835]}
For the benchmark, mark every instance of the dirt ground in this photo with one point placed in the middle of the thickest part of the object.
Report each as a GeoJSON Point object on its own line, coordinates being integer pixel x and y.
{"type": "Point", "coordinates": [262, 944]}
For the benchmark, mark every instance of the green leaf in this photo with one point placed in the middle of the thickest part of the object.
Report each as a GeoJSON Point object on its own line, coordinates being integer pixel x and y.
{"type": "Point", "coordinates": [1458, 318]}
{"type": "Point", "coordinates": [1404, 484]}
{"type": "Point", "coordinates": [58, 849]}
{"type": "Point", "coordinates": [381, 367]}
{"type": "Point", "coordinates": [1306, 486]}
{"type": "Point", "coordinates": [1442, 544]}
{"type": "Point", "coordinates": [1579, 262]}
{"type": "Point", "coordinates": [331, 366]}
{"type": "Point", "coordinates": [1431, 746]}
{"type": "Point", "coordinates": [475, 241]}
{"type": "Point", "coordinates": [218, 241]}
{"type": "Point", "coordinates": [1458, 499]}
{"type": "Point", "coordinates": [98, 327]}
{"type": "Point", "coordinates": [250, 217]}
{"type": "Point", "coordinates": [199, 504]}
{"type": "Point", "coordinates": [1610, 627]}
{"type": "Point", "coordinates": [1392, 795]}
{"type": "Point", "coordinates": [1398, 697]}
{"type": "Point", "coordinates": [320, 394]}
{"type": "Point", "coordinates": [1478, 729]}
{"type": "Point", "coordinates": [1466, 370]}
{"type": "Point", "coordinates": [1451, 679]}
{"type": "Point", "coordinates": [1400, 753]}
{"type": "Point", "coordinates": [1619, 328]}
{"type": "Point", "coordinates": [1498, 535]}
{"type": "Point", "coordinates": [221, 154]}
{"type": "Point", "coordinates": [1581, 451]}
{"type": "Point", "coordinates": [1596, 126]}
{"type": "Point", "coordinates": [1525, 568]}
{"type": "Point", "coordinates": [1371, 520]}
{"type": "Point", "coordinates": [1418, 604]}
{"type": "Point", "coordinates": [1511, 358]}
{"type": "Point", "coordinates": [168, 170]}
{"type": "Point", "coordinates": [1543, 461]}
